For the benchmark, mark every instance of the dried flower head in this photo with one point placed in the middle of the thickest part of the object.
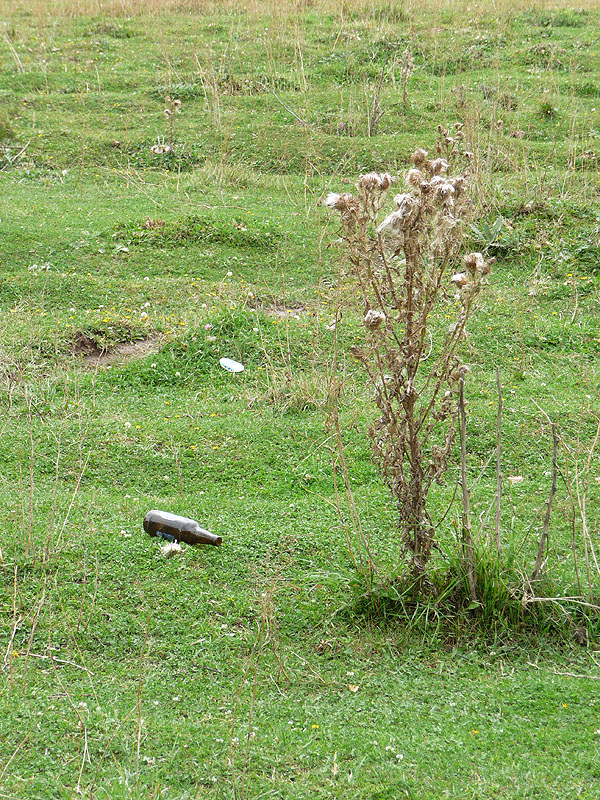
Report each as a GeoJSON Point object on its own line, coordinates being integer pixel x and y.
{"type": "Point", "coordinates": [375, 181]}
{"type": "Point", "coordinates": [393, 221]}
{"type": "Point", "coordinates": [343, 203]}
{"type": "Point", "coordinates": [444, 191]}
{"type": "Point", "coordinates": [474, 262]}
{"type": "Point", "coordinates": [459, 184]}
{"type": "Point", "coordinates": [374, 319]}
{"type": "Point", "coordinates": [419, 157]}
{"type": "Point", "coordinates": [414, 177]}
{"type": "Point", "coordinates": [487, 266]}
{"type": "Point", "coordinates": [460, 279]}
{"type": "Point", "coordinates": [161, 147]}
{"type": "Point", "coordinates": [405, 202]}
{"type": "Point", "coordinates": [407, 206]}
{"type": "Point", "coordinates": [439, 166]}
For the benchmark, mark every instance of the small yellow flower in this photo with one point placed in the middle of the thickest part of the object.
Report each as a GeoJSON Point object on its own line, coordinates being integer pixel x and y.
{"type": "Point", "coordinates": [314, 727]}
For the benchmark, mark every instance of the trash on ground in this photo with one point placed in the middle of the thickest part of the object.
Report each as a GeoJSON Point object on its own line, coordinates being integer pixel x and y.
{"type": "Point", "coordinates": [230, 365]}
{"type": "Point", "coordinates": [171, 549]}
{"type": "Point", "coordinates": [174, 528]}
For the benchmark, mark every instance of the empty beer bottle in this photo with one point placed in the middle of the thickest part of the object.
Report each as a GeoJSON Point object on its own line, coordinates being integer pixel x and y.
{"type": "Point", "coordinates": [180, 529]}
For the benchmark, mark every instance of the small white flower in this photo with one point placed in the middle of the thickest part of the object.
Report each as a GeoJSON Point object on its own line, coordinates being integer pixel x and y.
{"type": "Point", "coordinates": [143, 315]}
{"type": "Point", "coordinates": [166, 478]}
{"type": "Point", "coordinates": [153, 365]}
{"type": "Point", "coordinates": [229, 274]}
{"type": "Point", "coordinates": [128, 424]}
{"type": "Point", "coordinates": [178, 374]}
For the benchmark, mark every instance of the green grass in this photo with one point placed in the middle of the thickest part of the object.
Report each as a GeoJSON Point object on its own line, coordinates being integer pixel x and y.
{"type": "Point", "coordinates": [132, 676]}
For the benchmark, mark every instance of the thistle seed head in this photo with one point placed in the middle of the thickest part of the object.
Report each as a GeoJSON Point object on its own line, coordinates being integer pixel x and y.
{"type": "Point", "coordinates": [439, 166]}
{"type": "Point", "coordinates": [374, 319]}
{"type": "Point", "coordinates": [393, 221]}
{"type": "Point", "coordinates": [487, 266]}
{"type": "Point", "coordinates": [474, 262]}
{"type": "Point", "coordinates": [375, 181]}
{"type": "Point", "coordinates": [341, 202]}
{"type": "Point", "coordinates": [414, 177]}
{"type": "Point", "coordinates": [459, 279]}
{"type": "Point", "coordinates": [445, 190]}
{"type": "Point", "coordinates": [419, 157]}
{"type": "Point", "coordinates": [459, 184]}
{"type": "Point", "coordinates": [405, 203]}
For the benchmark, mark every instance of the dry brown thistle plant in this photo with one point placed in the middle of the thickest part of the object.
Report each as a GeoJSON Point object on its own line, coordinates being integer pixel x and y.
{"type": "Point", "coordinates": [172, 107]}
{"type": "Point", "coordinates": [402, 264]}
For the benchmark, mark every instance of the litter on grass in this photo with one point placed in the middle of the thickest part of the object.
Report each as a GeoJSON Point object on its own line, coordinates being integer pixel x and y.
{"type": "Point", "coordinates": [171, 549]}
{"type": "Point", "coordinates": [230, 365]}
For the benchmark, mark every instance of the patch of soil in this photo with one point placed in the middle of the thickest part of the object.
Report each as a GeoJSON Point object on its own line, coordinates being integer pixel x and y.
{"type": "Point", "coordinates": [277, 308]}
{"type": "Point", "coordinates": [95, 356]}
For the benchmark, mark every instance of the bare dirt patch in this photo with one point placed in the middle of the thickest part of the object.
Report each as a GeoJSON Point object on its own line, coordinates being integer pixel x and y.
{"type": "Point", "coordinates": [94, 356]}
{"type": "Point", "coordinates": [277, 308]}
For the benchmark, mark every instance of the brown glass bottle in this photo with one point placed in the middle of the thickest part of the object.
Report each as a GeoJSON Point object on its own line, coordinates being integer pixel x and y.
{"type": "Point", "coordinates": [181, 529]}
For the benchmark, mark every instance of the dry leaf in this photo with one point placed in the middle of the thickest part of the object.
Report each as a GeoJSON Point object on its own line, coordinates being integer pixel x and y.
{"type": "Point", "coordinates": [515, 479]}
{"type": "Point", "coordinates": [352, 688]}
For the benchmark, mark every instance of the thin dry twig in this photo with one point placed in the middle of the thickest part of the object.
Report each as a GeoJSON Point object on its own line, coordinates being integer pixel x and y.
{"type": "Point", "coordinates": [17, 619]}
{"type": "Point", "coordinates": [291, 111]}
{"type": "Point", "coordinates": [575, 675]}
{"type": "Point", "coordinates": [61, 661]}
{"type": "Point", "coordinates": [543, 540]}
{"type": "Point", "coordinates": [498, 465]}
{"type": "Point", "coordinates": [15, 751]}
{"type": "Point", "coordinates": [468, 551]}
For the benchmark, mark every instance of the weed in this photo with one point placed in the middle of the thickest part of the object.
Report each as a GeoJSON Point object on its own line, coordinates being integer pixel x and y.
{"type": "Point", "coordinates": [399, 271]}
{"type": "Point", "coordinates": [547, 110]}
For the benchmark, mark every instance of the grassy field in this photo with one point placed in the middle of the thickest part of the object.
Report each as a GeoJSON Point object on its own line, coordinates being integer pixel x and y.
{"type": "Point", "coordinates": [246, 671]}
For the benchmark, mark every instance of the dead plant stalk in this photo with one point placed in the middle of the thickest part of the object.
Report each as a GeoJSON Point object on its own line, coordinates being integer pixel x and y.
{"type": "Point", "coordinates": [400, 265]}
